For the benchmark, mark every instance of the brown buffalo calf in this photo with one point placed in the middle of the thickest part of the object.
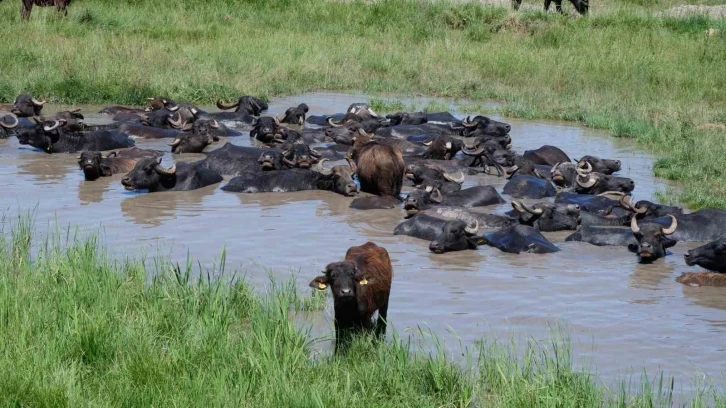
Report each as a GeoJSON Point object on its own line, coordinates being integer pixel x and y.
{"type": "Point", "coordinates": [697, 279]}
{"type": "Point", "coordinates": [380, 168]}
{"type": "Point", "coordinates": [360, 285]}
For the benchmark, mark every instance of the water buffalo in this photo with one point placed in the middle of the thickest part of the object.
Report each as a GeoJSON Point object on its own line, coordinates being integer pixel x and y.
{"type": "Point", "coordinates": [48, 137]}
{"type": "Point", "coordinates": [339, 180]}
{"type": "Point", "coordinates": [527, 168]}
{"type": "Point", "coordinates": [361, 285]}
{"type": "Point", "coordinates": [422, 226]}
{"type": "Point", "coordinates": [195, 142]}
{"type": "Point", "coordinates": [295, 115]}
{"type": "Point", "coordinates": [653, 239]}
{"type": "Point", "coordinates": [529, 187]}
{"type": "Point", "coordinates": [456, 235]}
{"type": "Point", "coordinates": [580, 5]}
{"type": "Point", "coordinates": [422, 174]}
{"type": "Point", "coordinates": [94, 165]}
{"type": "Point", "coordinates": [231, 160]}
{"type": "Point", "coordinates": [481, 126]}
{"type": "Point", "coordinates": [61, 6]}
{"type": "Point", "coordinates": [547, 217]}
{"type": "Point", "coordinates": [442, 147]}
{"type": "Point", "coordinates": [564, 174]}
{"type": "Point", "coordinates": [417, 118]}
{"type": "Point", "coordinates": [184, 116]}
{"type": "Point", "coordinates": [471, 216]}
{"type": "Point", "coordinates": [546, 155]}
{"type": "Point", "coordinates": [266, 130]}
{"type": "Point", "coordinates": [590, 182]}
{"type": "Point", "coordinates": [604, 236]}
{"type": "Point", "coordinates": [696, 279]}
{"type": "Point", "coordinates": [73, 120]}
{"type": "Point", "coordinates": [477, 196]}
{"type": "Point", "coordinates": [604, 166]}
{"type": "Point", "coordinates": [379, 167]}
{"type": "Point", "coordinates": [404, 146]}
{"type": "Point", "coordinates": [519, 238]}
{"type": "Point", "coordinates": [489, 154]}
{"type": "Point", "coordinates": [647, 209]}
{"type": "Point", "coordinates": [248, 105]}
{"type": "Point", "coordinates": [711, 256]}
{"type": "Point", "coordinates": [26, 106]}
{"type": "Point", "coordinates": [148, 174]}
{"type": "Point", "coordinates": [597, 204]}
{"type": "Point", "coordinates": [7, 124]}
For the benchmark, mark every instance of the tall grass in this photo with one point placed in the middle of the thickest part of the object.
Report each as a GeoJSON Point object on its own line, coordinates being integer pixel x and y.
{"type": "Point", "coordinates": [80, 329]}
{"type": "Point", "coordinates": [624, 68]}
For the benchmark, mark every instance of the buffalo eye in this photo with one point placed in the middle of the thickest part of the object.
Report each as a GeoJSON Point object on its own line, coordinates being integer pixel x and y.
{"type": "Point", "coordinates": [147, 169]}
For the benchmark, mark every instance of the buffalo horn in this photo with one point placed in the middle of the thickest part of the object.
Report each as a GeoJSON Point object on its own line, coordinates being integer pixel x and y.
{"type": "Point", "coordinates": [288, 162]}
{"type": "Point", "coordinates": [634, 225]}
{"type": "Point", "coordinates": [176, 123]}
{"type": "Point", "coordinates": [187, 126]}
{"type": "Point", "coordinates": [554, 168]}
{"type": "Point", "coordinates": [11, 125]}
{"type": "Point", "coordinates": [175, 142]}
{"type": "Point", "coordinates": [56, 125]}
{"type": "Point", "coordinates": [590, 182]}
{"type": "Point", "coordinates": [475, 152]}
{"type": "Point", "coordinates": [627, 203]}
{"type": "Point", "coordinates": [322, 170]}
{"type": "Point", "coordinates": [172, 108]}
{"type": "Point", "coordinates": [457, 180]}
{"type": "Point", "coordinates": [670, 230]}
{"type": "Point", "coordinates": [521, 207]}
{"type": "Point", "coordinates": [37, 102]}
{"type": "Point", "coordinates": [329, 119]}
{"type": "Point", "coordinates": [316, 154]}
{"type": "Point", "coordinates": [165, 172]}
{"type": "Point", "coordinates": [584, 168]}
{"type": "Point", "coordinates": [372, 113]}
{"type": "Point", "coordinates": [473, 229]}
{"type": "Point", "coordinates": [448, 145]}
{"type": "Point", "coordinates": [351, 163]}
{"type": "Point", "coordinates": [468, 123]}
{"type": "Point", "coordinates": [612, 193]}
{"type": "Point", "coordinates": [277, 120]}
{"type": "Point", "coordinates": [427, 143]}
{"type": "Point", "coordinates": [226, 106]}
{"type": "Point", "coordinates": [362, 132]}
{"type": "Point", "coordinates": [214, 124]}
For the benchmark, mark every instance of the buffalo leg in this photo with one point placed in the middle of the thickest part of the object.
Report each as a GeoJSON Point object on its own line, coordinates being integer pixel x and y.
{"type": "Point", "coordinates": [558, 6]}
{"type": "Point", "coordinates": [547, 5]}
{"type": "Point", "coordinates": [382, 320]}
{"type": "Point", "coordinates": [27, 8]}
{"type": "Point", "coordinates": [516, 4]}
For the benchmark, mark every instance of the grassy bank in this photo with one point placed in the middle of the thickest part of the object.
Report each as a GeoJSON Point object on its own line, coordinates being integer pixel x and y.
{"type": "Point", "coordinates": [79, 329]}
{"type": "Point", "coordinates": [659, 80]}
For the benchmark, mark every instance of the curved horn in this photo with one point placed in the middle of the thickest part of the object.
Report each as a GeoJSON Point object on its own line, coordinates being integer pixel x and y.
{"type": "Point", "coordinates": [173, 108]}
{"type": "Point", "coordinates": [316, 154]}
{"type": "Point", "coordinates": [472, 230]}
{"type": "Point", "coordinates": [554, 168]}
{"type": "Point", "coordinates": [372, 113]}
{"type": "Point", "coordinates": [612, 193]}
{"type": "Point", "coordinates": [56, 125]}
{"type": "Point", "coordinates": [187, 126]}
{"type": "Point", "coordinates": [468, 123]}
{"type": "Point", "coordinates": [627, 203]}
{"type": "Point", "coordinates": [12, 125]}
{"type": "Point", "coordinates": [476, 152]}
{"type": "Point", "coordinates": [288, 161]}
{"type": "Point", "coordinates": [351, 163]}
{"type": "Point", "coordinates": [521, 207]}
{"type": "Point", "coordinates": [320, 169]}
{"type": "Point", "coordinates": [362, 132]}
{"type": "Point", "coordinates": [329, 119]}
{"type": "Point", "coordinates": [165, 172]}
{"type": "Point", "coordinates": [429, 143]}
{"type": "Point", "coordinates": [226, 106]}
{"type": "Point", "coordinates": [277, 120]}
{"type": "Point", "coordinates": [37, 102]}
{"type": "Point", "coordinates": [634, 225]}
{"type": "Point", "coordinates": [150, 99]}
{"type": "Point", "coordinates": [584, 168]}
{"type": "Point", "coordinates": [670, 230]}
{"type": "Point", "coordinates": [175, 142]}
{"type": "Point", "coordinates": [175, 123]}
{"type": "Point", "coordinates": [457, 180]}
{"type": "Point", "coordinates": [590, 182]}
{"type": "Point", "coordinates": [214, 124]}
{"type": "Point", "coordinates": [537, 173]}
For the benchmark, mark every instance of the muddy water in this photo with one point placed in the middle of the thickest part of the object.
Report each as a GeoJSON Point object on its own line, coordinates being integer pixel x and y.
{"type": "Point", "coordinates": [622, 316]}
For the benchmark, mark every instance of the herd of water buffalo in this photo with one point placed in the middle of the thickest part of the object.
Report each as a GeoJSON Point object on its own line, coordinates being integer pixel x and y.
{"type": "Point", "coordinates": [433, 152]}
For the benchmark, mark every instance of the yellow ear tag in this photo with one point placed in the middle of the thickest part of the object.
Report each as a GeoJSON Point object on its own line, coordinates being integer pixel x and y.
{"type": "Point", "coordinates": [322, 286]}
{"type": "Point", "coordinates": [363, 281]}
{"type": "Point", "coordinates": [48, 148]}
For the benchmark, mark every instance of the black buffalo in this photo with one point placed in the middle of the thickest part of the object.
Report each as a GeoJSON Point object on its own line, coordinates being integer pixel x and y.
{"type": "Point", "coordinates": [604, 166]}
{"type": "Point", "coordinates": [519, 238]}
{"type": "Point", "coordinates": [564, 174]}
{"type": "Point", "coordinates": [26, 106]}
{"type": "Point", "coordinates": [546, 155]}
{"type": "Point", "coordinates": [653, 239]}
{"type": "Point", "coordinates": [200, 137]}
{"type": "Point", "coordinates": [416, 118]}
{"type": "Point", "coordinates": [529, 187]}
{"type": "Point", "coordinates": [421, 173]}
{"type": "Point", "coordinates": [266, 130]}
{"type": "Point", "coordinates": [477, 196]}
{"type": "Point", "coordinates": [339, 180]}
{"type": "Point", "coordinates": [148, 174]}
{"type": "Point", "coordinates": [49, 137]}
{"type": "Point", "coordinates": [7, 124]}
{"type": "Point", "coordinates": [711, 256]}
{"type": "Point", "coordinates": [295, 115]}
{"type": "Point", "coordinates": [590, 182]}
{"type": "Point", "coordinates": [248, 105]}
{"type": "Point", "coordinates": [547, 217]}
{"type": "Point", "coordinates": [456, 235]}
{"type": "Point", "coordinates": [580, 5]}
{"type": "Point", "coordinates": [94, 165]}
{"type": "Point", "coordinates": [604, 236]}
{"type": "Point", "coordinates": [442, 147]}
{"type": "Point", "coordinates": [481, 126]}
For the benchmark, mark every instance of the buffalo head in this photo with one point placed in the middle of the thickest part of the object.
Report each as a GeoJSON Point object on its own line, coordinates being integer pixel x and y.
{"type": "Point", "coordinates": [457, 236]}
{"type": "Point", "coordinates": [149, 174]}
{"type": "Point", "coordinates": [200, 137]}
{"type": "Point", "coordinates": [711, 256]}
{"type": "Point", "coordinates": [653, 239]}
{"type": "Point", "coordinates": [248, 105]}
{"type": "Point", "coordinates": [481, 126]}
{"type": "Point", "coordinates": [26, 106]}
{"type": "Point", "coordinates": [548, 217]}
{"type": "Point", "coordinates": [43, 135]}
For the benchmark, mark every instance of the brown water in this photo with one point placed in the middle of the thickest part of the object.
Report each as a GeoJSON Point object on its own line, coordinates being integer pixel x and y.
{"type": "Point", "coordinates": [622, 316]}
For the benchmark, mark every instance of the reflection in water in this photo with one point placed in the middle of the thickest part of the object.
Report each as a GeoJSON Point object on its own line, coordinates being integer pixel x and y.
{"type": "Point", "coordinates": [155, 208]}
{"type": "Point", "coordinates": [637, 315]}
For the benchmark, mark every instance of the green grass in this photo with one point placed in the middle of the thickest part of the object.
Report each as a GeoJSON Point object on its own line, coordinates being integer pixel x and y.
{"type": "Point", "coordinates": [623, 68]}
{"type": "Point", "coordinates": [78, 328]}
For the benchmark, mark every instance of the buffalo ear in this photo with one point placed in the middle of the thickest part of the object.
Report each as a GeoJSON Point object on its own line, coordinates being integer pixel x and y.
{"type": "Point", "coordinates": [320, 283]}
{"type": "Point", "coordinates": [667, 243]}
{"type": "Point", "coordinates": [106, 170]}
{"type": "Point", "coordinates": [632, 248]}
{"type": "Point", "coordinates": [436, 196]}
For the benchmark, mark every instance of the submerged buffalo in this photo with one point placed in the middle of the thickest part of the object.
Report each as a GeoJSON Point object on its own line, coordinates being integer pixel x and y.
{"type": "Point", "coordinates": [480, 126]}
{"type": "Point", "coordinates": [416, 118]}
{"type": "Point", "coordinates": [442, 147]}
{"type": "Point", "coordinates": [456, 235]}
{"type": "Point", "coordinates": [546, 155]}
{"type": "Point", "coordinates": [523, 186]}
{"type": "Point", "coordinates": [248, 105]}
{"type": "Point", "coordinates": [547, 217]}
{"type": "Point", "coordinates": [295, 115]}
{"type": "Point", "coordinates": [148, 174]}
{"type": "Point", "coordinates": [520, 238]}
{"type": "Point", "coordinates": [200, 137]}
{"type": "Point", "coordinates": [590, 182]}
{"type": "Point", "coordinates": [339, 179]}
{"type": "Point", "coordinates": [266, 130]}
{"type": "Point", "coordinates": [26, 106]}
{"type": "Point", "coordinates": [604, 166]}
{"type": "Point", "coordinates": [653, 239]}
{"type": "Point", "coordinates": [477, 196]}
{"type": "Point", "coordinates": [94, 165]}
{"type": "Point", "coordinates": [49, 137]}
{"type": "Point", "coordinates": [7, 124]}
{"type": "Point", "coordinates": [711, 256]}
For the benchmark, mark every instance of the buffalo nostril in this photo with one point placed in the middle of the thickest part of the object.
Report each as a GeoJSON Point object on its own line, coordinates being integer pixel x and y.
{"type": "Point", "coordinates": [345, 291]}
